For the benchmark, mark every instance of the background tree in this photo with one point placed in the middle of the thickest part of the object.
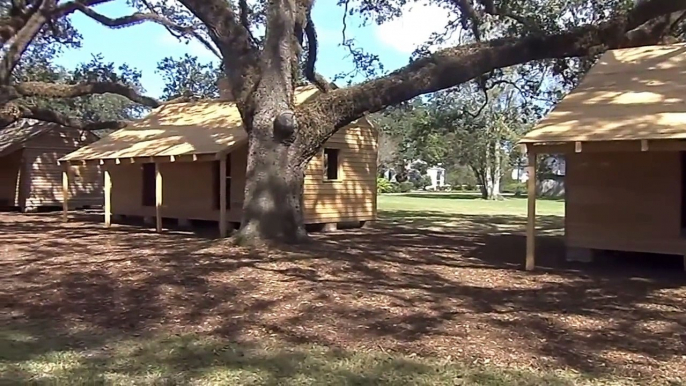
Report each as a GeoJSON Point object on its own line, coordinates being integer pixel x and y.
{"type": "Point", "coordinates": [188, 77]}
{"type": "Point", "coordinates": [483, 138]}
{"type": "Point", "coordinates": [95, 95]}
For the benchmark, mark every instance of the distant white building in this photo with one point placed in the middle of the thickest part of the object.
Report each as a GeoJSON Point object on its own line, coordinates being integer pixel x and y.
{"type": "Point", "coordinates": [437, 175]}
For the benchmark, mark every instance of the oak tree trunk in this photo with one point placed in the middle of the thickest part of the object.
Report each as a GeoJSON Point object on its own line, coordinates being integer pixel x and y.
{"type": "Point", "coordinates": [273, 206]}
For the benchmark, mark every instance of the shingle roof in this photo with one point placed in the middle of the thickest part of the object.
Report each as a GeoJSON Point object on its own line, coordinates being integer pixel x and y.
{"type": "Point", "coordinates": [630, 94]}
{"type": "Point", "coordinates": [14, 136]}
{"type": "Point", "coordinates": [176, 129]}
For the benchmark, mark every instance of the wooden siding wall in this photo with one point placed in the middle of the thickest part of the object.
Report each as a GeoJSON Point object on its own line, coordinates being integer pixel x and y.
{"type": "Point", "coordinates": [187, 186]}
{"type": "Point", "coordinates": [624, 201]}
{"type": "Point", "coordinates": [186, 189]}
{"type": "Point", "coordinates": [43, 185]}
{"type": "Point", "coordinates": [10, 166]}
{"type": "Point", "coordinates": [353, 196]}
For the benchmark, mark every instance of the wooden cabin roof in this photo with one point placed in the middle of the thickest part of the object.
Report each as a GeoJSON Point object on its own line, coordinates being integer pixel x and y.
{"type": "Point", "coordinates": [176, 129]}
{"type": "Point", "coordinates": [14, 136]}
{"type": "Point", "coordinates": [630, 94]}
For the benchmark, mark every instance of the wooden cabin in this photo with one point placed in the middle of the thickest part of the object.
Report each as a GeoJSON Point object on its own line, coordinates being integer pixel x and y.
{"type": "Point", "coordinates": [30, 176]}
{"type": "Point", "coordinates": [622, 132]}
{"type": "Point", "coordinates": [180, 161]}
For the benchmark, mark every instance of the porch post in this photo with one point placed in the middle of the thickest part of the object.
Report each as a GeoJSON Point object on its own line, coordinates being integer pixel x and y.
{"type": "Point", "coordinates": [531, 211]}
{"type": "Point", "coordinates": [65, 192]}
{"type": "Point", "coordinates": [108, 198]}
{"type": "Point", "coordinates": [222, 197]}
{"type": "Point", "coordinates": [158, 198]}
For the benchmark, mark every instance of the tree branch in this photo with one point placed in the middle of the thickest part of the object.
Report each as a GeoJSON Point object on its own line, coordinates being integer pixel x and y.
{"type": "Point", "coordinates": [139, 17]}
{"type": "Point", "coordinates": [53, 90]}
{"type": "Point", "coordinates": [23, 37]}
{"type": "Point", "coordinates": [239, 52]}
{"type": "Point", "coordinates": [312, 46]}
{"type": "Point", "coordinates": [456, 65]}
{"type": "Point", "coordinates": [245, 18]}
{"type": "Point", "coordinates": [55, 117]}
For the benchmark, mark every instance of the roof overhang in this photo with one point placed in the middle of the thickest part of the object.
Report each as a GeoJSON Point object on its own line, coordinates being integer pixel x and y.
{"type": "Point", "coordinates": [632, 99]}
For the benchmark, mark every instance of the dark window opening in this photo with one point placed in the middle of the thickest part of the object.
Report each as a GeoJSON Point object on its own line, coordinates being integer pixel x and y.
{"type": "Point", "coordinates": [331, 164]}
{"type": "Point", "coordinates": [148, 193]}
{"type": "Point", "coordinates": [216, 184]}
{"type": "Point", "coordinates": [683, 192]}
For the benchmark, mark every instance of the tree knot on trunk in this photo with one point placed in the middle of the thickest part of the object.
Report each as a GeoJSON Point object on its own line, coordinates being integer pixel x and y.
{"type": "Point", "coordinates": [285, 126]}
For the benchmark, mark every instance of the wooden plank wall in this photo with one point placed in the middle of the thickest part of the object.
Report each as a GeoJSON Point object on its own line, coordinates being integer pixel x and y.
{"type": "Point", "coordinates": [186, 189]}
{"type": "Point", "coordinates": [43, 182]}
{"type": "Point", "coordinates": [187, 186]}
{"type": "Point", "coordinates": [9, 178]}
{"type": "Point", "coordinates": [627, 201]}
{"type": "Point", "coordinates": [353, 196]}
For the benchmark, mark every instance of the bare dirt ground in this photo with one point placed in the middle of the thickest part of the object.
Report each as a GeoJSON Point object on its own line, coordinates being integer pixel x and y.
{"type": "Point", "coordinates": [457, 292]}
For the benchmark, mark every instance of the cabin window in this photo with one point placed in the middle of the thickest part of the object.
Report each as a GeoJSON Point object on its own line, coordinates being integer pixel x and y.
{"type": "Point", "coordinates": [216, 184]}
{"type": "Point", "coordinates": [331, 163]}
{"type": "Point", "coordinates": [148, 193]}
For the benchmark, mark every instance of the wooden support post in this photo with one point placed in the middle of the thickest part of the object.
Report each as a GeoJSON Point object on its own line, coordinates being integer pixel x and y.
{"type": "Point", "coordinates": [65, 192]}
{"type": "Point", "coordinates": [531, 212]}
{"type": "Point", "coordinates": [158, 198]}
{"type": "Point", "coordinates": [222, 197]}
{"type": "Point", "coordinates": [108, 198]}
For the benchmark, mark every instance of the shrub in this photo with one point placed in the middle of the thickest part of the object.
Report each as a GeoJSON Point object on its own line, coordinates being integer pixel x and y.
{"type": "Point", "coordinates": [456, 188]}
{"type": "Point", "coordinates": [395, 186]}
{"type": "Point", "coordinates": [470, 187]}
{"type": "Point", "coordinates": [405, 187]}
{"type": "Point", "coordinates": [514, 187]}
{"type": "Point", "coordinates": [384, 186]}
{"type": "Point", "coordinates": [422, 182]}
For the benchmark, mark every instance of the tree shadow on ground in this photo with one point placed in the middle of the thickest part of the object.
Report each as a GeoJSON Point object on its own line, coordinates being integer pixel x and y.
{"type": "Point", "coordinates": [405, 286]}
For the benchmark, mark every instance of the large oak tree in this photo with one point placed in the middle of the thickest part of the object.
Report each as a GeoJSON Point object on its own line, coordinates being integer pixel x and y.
{"type": "Point", "coordinates": [262, 69]}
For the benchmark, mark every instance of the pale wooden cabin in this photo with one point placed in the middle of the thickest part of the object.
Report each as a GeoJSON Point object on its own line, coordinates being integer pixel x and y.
{"type": "Point", "coordinates": [623, 134]}
{"type": "Point", "coordinates": [182, 159]}
{"type": "Point", "coordinates": [30, 176]}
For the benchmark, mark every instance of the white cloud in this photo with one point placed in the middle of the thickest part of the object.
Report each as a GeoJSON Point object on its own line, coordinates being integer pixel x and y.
{"type": "Point", "coordinates": [414, 27]}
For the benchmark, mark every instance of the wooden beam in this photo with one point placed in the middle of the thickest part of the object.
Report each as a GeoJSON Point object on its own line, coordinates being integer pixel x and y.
{"type": "Point", "coordinates": [65, 192]}
{"type": "Point", "coordinates": [158, 198]}
{"type": "Point", "coordinates": [531, 213]}
{"type": "Point", "coordinates": [108, 198]}
{"type": "Point", "coordinates": [222, 198]}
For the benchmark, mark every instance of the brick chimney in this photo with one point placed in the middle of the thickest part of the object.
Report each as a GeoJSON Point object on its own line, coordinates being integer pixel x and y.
{"type": "Point", "coordinates": [224, 89]}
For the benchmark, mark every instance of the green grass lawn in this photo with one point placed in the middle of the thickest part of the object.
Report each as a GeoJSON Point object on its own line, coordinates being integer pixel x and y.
{"type": "Point", "coordinates": [466, 203]}
{"type": "Point", "coordinates": [468, 212]}
{"type": "Point", "coordinates": [204, 360]}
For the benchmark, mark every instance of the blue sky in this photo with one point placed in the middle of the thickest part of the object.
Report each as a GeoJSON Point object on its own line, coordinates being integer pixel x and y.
{"type": "Point", "coordinates": [143, 46]}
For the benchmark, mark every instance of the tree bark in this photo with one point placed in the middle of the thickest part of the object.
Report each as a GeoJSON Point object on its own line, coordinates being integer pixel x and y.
{"type": "Point", "coordinates": [272, 209]}
{"type": "Point", "coordinates": [494, 173]}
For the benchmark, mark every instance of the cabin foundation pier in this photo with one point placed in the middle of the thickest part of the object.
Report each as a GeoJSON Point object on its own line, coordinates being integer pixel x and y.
{"type": "Point", "coordinates": [329, 227]}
